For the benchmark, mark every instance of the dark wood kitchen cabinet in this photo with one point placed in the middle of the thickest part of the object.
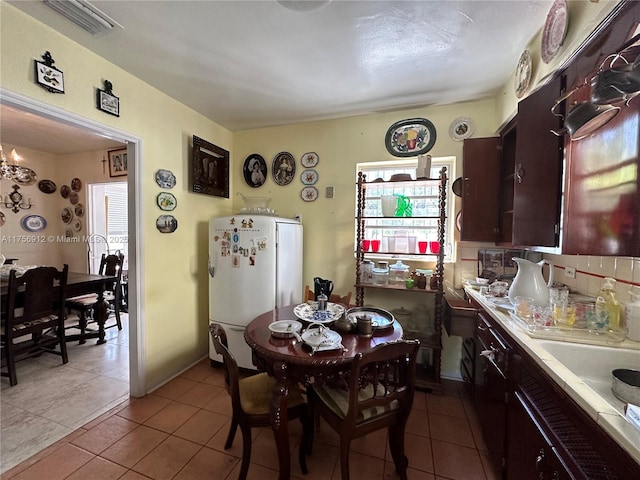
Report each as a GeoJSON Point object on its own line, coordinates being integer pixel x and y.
{"type": "Point", "coordinates": [512, 183]}
{"type": "Point", "coordinates": [491, 387]}
{"type": "Point", "coordinates": [532, 428]}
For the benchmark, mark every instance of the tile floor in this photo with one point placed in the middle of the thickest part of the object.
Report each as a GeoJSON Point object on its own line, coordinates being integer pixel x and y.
{"type": "Point", "coordinates": [53, 400]}
{"type": "Point", "coordinates": [177, 432]}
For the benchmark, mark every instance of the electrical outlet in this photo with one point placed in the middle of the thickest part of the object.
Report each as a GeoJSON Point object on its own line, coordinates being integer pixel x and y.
{"type": "Point", "coordinates": [570, 272]}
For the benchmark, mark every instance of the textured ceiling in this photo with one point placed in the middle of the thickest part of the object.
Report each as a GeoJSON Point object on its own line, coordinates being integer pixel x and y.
{"type": "Point", "coordinates": [248, 64]}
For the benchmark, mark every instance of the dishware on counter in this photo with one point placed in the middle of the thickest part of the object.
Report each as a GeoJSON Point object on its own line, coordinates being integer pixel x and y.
{"type": "Point", "coordinates": [499, 289]}
{"type": "Point", "coordinates": [380, 319]}
{"type": "Point", "coordinates": [523, 307]}
{"type": "Point", "coordinates": [626, 385]}
{"type": "Point", "coordinates": [529, 281]}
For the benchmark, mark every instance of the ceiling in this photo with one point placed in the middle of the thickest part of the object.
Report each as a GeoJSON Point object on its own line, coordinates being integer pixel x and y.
{"type": "Point", "coordinates": [250, 64]}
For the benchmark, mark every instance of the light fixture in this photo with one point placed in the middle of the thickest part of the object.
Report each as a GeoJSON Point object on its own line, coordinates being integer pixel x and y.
{"type": "Point", "coordinates": [15, 201]}
{"type": "Point", "coordinates": [85, 15]}
{"type": "Point", "coordinates": [15, 172]}
{"type": "Point", "coordinates": [303, 5]}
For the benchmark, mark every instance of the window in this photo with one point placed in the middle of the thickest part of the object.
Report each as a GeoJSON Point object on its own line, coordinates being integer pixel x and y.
{"type": "Point", "coordinates": [415, 225]}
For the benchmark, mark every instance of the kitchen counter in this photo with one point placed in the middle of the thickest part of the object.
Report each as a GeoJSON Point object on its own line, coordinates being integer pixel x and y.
{"type": "Point", "coordinates": [605, 409]}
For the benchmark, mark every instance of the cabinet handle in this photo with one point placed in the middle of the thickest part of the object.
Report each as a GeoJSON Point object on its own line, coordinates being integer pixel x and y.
{"type": "Point", "coordinates": [466, 185]}
{"type": "Point", "coordinates": [520, 173]}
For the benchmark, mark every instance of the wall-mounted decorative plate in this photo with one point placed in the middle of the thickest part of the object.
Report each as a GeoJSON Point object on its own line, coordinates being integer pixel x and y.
{"type": "Point", "coordinates": [77, 225]}
{"type": "Point", "coordinates": [255, 170]}
{"type": "Point", "coordinates": [33, 223]}
{"type": "Point", "coordinates": [76, 184]}
{"type": "Point", "coordinates": [165, 179]}
{"type": "Point", "coordinates": [65, 191]}
{"type": "Point", "coordinates": [309, 160]}
{"type": "Point", "coordinates": [283, 168]}
{"type": "Point", "coordinates": [2, 219]}
{"type": "Point", "coordinates": [79, 209]}
{"type": "Point", "coordinates": [166, 224]}
{"type": "Point", "coordinates": [555, 28]}
{"type": "Point", "coordinates": [461, 128]}
{"type": "Point", "coordinates": [74, 198]}
{"type": "Point", "coordinates": [47, 186]}
{"type": "Point", "coordinates": [309, 194]}
{"type": "Point", "coordinates": [409, 138]}
{"type": "Point", "coordinates": [523, 74]}
{"type": "Point", "coordinates": [309, 177]}
{"type": "Point", "coordinates": [166, 201]}
{"type": "Point", "coordinates": [67, 215]}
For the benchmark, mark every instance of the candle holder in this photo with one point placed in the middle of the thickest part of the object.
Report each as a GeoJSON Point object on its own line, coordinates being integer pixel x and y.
{"type": "Point", "coordinates": [15, 201]}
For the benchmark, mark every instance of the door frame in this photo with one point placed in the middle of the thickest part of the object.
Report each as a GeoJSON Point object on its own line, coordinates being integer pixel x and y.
{"type": "Point", "coordinates": [137, 377]}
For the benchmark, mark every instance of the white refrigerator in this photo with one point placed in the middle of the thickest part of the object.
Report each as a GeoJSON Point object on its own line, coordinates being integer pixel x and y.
{"type": "Point", "coordinates": [255, 265]}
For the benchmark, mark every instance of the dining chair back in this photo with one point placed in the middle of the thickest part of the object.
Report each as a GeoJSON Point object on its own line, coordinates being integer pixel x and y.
{"type": "Point", "coordinates": [333, 298]}
{"type": "Point", "coordinates": [250, 402]}
{"type": "Point", "coordinates": [34, 317]}
{"type": "Point", "coordinates": [84, 304]}
{"type": "Point", "coordinates": [377, 393]}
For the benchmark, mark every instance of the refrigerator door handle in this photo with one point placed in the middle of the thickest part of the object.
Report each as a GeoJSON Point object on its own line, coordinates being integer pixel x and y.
{"type": "Point", "coordinates": [212, 268]}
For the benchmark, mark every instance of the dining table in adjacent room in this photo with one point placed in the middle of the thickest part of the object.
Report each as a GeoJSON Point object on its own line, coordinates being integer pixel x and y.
{"type": "Point", "coordinates": [80, 284]}
{"type": "Point", "coordinates": [290, 362]}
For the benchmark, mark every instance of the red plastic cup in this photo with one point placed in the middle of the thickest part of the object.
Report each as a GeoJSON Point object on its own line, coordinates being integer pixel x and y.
{"type": "Point", "coordinates": [422, 247]}
{"type": "Point", "coordinates": [365, 245]}
{"type": "Point", "coordinates": [434, 247]}
{"type": "Point", "coordinates": [375, 245]}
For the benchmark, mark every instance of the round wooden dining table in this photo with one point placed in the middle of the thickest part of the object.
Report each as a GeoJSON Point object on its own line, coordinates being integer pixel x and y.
{"type": "Point", "coordinates": [290, 362]}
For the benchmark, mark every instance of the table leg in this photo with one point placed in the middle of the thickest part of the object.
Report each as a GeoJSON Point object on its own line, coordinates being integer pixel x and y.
{"type": "Point", "coordinates": [100, 309]}
{"type": "Point", "coordinates": [279, 419]}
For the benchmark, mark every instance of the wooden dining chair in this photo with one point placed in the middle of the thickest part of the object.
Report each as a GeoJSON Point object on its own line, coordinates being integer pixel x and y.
{"type": "Point", "coordinates": [84, 304]}
{"type": "Point", "coordinates": [376, 393]}
{"type": "Point", "coordinates": [34, 317]}
{"type": "Point", "coordinates": [250, 401]}
{"type": "Point", "coordinates": [333, 298]}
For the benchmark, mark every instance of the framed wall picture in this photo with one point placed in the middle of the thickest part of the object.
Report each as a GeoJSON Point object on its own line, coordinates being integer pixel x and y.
{"type": "Point", "coordinates": [209, 169]}
{"type": "Point", "coordinates": [107, 101]}
{"type": "Point", "coordinates": [48, 76]}
{"type": "Point", "coordinates": [118, 165]}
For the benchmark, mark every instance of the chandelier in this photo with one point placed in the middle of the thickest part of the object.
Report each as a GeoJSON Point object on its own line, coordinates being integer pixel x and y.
{"type": "Point", "coordinates": [15, 172]}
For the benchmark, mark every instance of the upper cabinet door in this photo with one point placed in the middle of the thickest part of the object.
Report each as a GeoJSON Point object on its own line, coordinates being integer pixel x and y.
{"type": "Point", "coordinates": [480, 189]}
{"type": "Point", "coordinates": [538, 169]}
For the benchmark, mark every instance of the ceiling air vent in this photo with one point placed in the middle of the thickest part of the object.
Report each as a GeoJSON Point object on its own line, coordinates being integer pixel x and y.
{"type": "Point", "coordinates": [85, 15]}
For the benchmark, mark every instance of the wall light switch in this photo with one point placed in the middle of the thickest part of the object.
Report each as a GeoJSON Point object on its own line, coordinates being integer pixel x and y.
{"type": "Point", "coordinates": [570, 272]}
{"type": "Point", "coordinates": [328, 192]}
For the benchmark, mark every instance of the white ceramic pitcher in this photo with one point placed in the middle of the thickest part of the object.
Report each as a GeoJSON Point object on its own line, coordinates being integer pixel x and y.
{"type": "Point", "coordinates": [529, 281]}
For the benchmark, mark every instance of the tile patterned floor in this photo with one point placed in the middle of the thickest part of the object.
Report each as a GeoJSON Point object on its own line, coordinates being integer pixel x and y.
{"type": "Point", "coordinates": [178, 431]}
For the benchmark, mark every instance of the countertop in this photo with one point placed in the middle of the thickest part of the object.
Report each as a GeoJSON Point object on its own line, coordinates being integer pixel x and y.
{"type": "Point", "coordinates": [610, 418]}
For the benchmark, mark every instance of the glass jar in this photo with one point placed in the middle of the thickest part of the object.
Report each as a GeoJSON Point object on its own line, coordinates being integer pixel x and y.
{"type": "Point", "coordinates": [398, 272]}
{"type": "Point", "coordinates": [366, 272]}
{"type": "Point", "coordinates": [380, 276]}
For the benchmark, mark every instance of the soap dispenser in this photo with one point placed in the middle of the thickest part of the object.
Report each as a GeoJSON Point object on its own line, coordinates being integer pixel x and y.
{"type": "Point", "coordinates": [607, 300]}
{"type": "Point", "coordinates": [632, 317]}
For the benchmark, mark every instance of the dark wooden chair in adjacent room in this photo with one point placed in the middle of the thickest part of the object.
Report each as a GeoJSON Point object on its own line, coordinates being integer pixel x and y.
{"type": "Point", "coordinates": [33, 321]}
{"type": "Point", "coordinates": [250, 401]}
{"type": "Point", "coordinates": [84, 305]}
{"type": "Point", "coordinates": [376, 393]}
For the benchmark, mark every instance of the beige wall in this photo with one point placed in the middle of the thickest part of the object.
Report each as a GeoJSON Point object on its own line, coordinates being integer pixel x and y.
{"type": "Point", "coordinates": [50, 247]}
{"type": "Point", "coordinates": [174, 266]}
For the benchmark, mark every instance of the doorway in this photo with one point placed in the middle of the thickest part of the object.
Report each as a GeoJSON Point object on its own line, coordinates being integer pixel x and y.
{"type": "Point", "coordinates": [57, 116]}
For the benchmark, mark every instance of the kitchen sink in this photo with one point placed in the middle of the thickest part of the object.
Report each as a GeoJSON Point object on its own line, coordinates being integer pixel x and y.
{"type": "Point", "coordinates": [593, 364]}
